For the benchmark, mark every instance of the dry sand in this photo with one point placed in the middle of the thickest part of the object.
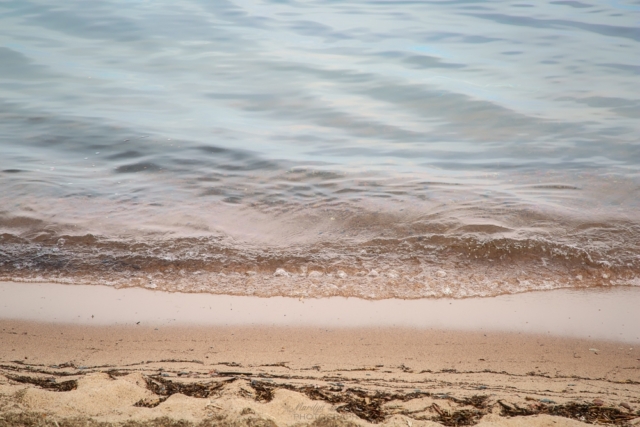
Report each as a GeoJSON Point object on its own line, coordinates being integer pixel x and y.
{"type": "Point", "coordinates": [285, 376]}
{"type": "Point", "coordinates": [75, 356]}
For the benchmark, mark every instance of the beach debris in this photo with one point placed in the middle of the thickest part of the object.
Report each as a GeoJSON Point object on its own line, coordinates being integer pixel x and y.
{"type": "Point", "coordinates": [66, 365]}
{"type": "Point", "coordinates": [515, 409]}
{"type": "Point", "coordinates": [363, 404]}
{"type": "Point", "coordinates": [373, 273]}
{"type": "Point", "coordinates": [281, 272]}
{"type": "Point", "coordinates": [370, 411]}
{"type": "Point", "coordinates": [478, 401]}
{"type": "Point", "coordinates": [587, 413]}
{"type": "Point", "coordinates": [373, 406]}
{"type": "Point", "coordinates": [264, 392]}
{"type": "Point", "coordinates": [163, 387]}
{"type": "Point", "coordinates": [441, 273]}
{"type": "Point", "coordinates": [114, 373]}
{"type": "Point", "coordinates": [370, 406]}
{"type": "Point", "coordinates": [150, 402]}
{"type": "Point", "coordinates": [464, 417]}
{"type": "Point", "coordinates": [594, 350]}
{"type": "Point", "coordinates": [231, 364]}
{"type": "Point", "coordinates": [341, 274]}
{"type": "Point", "coordinates": [48, 383]}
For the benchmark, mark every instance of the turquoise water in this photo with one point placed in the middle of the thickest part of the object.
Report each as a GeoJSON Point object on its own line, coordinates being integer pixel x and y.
{"type": "Point", "coordinates": [371, 148]}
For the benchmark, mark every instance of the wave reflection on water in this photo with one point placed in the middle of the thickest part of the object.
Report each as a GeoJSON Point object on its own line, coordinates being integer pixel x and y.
{"type": "Point", "coordinates": [372, 149]}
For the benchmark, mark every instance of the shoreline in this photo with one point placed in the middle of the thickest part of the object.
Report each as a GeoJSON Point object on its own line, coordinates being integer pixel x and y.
{"type": "Point", "coordinates": [599, 313]}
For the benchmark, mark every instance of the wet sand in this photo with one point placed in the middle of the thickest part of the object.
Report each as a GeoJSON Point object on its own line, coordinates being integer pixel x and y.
{"type": "Point", "coordinates": [607, 313]}
{"type": "Point", "coordinates": [316, 374]}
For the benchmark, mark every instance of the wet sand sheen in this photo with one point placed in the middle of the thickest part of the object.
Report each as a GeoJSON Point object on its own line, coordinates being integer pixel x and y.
{"type": "Point", "coordinates": [603, 313]}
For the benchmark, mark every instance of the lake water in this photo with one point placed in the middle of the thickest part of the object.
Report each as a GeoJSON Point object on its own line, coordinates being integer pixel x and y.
{"type": "Point", "coordinates": [378, 149]}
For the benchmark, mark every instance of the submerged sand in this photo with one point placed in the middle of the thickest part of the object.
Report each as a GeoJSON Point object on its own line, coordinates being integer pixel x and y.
{"type": "Point", "coordinates": [286, 376]}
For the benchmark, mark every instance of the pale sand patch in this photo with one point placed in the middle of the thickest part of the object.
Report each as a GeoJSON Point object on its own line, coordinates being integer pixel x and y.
{"type": "Point", "coordinates": [607, 313]}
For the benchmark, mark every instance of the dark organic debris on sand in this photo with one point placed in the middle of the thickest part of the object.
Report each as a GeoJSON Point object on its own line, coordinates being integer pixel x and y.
{"type": "Point", "coordinates": [585, 412]}
{"type": "Point", "coordinates": [164, 387]}
{"type": "Point", "coordinates": [369, 406]}
{"type": "Point", "coordinates": [374, 406]}
{"type": "Point", "coordinates": [46, 383]}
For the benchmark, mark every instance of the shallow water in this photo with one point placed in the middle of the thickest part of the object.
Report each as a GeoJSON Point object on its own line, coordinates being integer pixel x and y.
{"type": "Point", "coordinates": [373, 149]}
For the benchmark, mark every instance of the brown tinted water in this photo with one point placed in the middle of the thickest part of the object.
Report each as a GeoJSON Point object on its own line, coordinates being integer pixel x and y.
{"type": "Point", "coordinates": [423, 250]}
{"type": "Point", "coordinates": [369, 149]}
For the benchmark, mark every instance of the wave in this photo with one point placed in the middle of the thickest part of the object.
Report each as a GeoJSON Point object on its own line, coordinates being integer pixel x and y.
{"type": "Point", "coordinates": [391, 257]}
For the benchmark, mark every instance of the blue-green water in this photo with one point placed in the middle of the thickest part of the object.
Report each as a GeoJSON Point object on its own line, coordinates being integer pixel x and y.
{"type": "Point", "coordinates": [370, 148]}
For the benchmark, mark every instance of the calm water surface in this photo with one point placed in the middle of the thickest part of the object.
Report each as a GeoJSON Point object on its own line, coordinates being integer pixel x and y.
{"type": "Point", "coordinates": [362, 148]}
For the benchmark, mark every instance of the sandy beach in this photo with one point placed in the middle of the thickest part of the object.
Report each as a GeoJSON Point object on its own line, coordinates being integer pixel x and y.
{"type": "Point", "coordinates": [163, 373]}
{"type": "Point", "coordinates": [296, 376]}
